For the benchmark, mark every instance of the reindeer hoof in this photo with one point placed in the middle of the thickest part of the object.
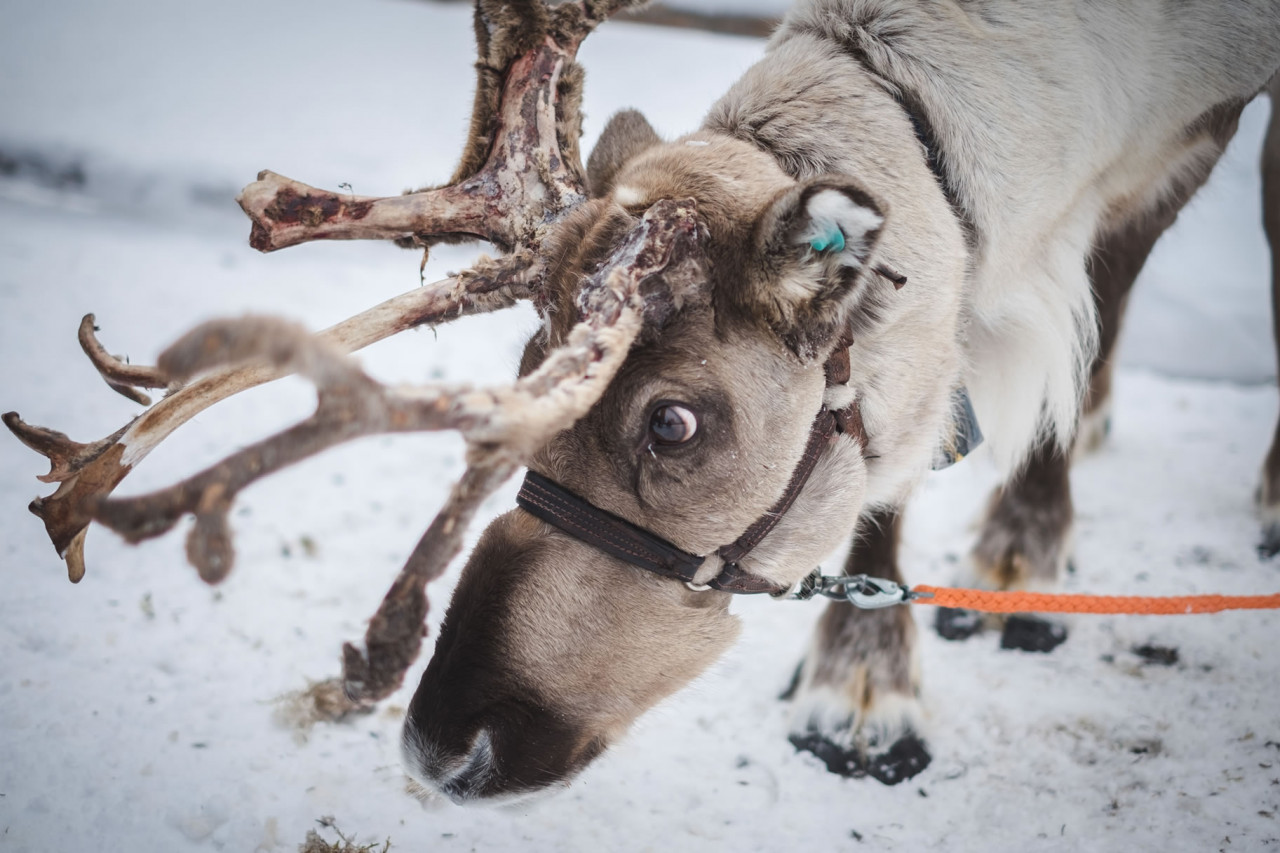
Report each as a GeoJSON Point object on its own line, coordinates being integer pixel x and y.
{"type": "Point", "coordinates": [1270, 544]}
{"type": "Point", "coordinates": [1032, 634]}
{"type": "Point", "coordinates": [905, 759]}
{"type": "Point", "coordinates": [954, 623]}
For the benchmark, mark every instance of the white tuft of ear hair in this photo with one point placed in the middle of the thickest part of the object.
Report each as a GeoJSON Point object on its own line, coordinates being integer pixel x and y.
{"type": "Point", "coordinates": [839, 227]}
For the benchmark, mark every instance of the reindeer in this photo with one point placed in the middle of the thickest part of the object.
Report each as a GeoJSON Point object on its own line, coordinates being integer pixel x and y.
{"type": "Point", "coordinates": [757, 339]}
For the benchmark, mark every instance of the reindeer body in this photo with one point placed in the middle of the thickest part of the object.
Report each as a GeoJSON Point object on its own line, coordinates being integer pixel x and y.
{"type": "Point", "coordinates": [982, 149]}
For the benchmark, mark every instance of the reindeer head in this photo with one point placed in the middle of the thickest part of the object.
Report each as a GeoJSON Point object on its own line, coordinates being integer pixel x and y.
{"type": "Point", "coordinates": [551, 646]}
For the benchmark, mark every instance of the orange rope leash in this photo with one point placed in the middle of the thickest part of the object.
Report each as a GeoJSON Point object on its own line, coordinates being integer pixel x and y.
{"type": "Point", "coordinates": [1044, 602]}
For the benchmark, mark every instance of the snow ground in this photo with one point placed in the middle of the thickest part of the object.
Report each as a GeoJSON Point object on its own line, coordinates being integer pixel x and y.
{"type": "Point", "coordinates": [136, 708]}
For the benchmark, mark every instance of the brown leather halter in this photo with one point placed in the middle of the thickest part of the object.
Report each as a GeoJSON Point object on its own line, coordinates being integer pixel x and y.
{"type": "Point", "coordinates": [618, 537]}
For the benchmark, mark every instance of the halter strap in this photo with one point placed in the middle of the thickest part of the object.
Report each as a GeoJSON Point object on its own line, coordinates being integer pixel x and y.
{"type": "Point", "coordinates": [548, 500]}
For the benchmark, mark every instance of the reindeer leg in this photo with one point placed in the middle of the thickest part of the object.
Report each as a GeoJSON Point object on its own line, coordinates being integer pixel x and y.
{"type": "Point", "coordinates": [856, 696]}
{"type": "Point", "coordinates": [1025, 539]}
{"type": "Point", "coordinates": [1026, 534]}
{"type": "Point", "coordinates": [1269, 489]}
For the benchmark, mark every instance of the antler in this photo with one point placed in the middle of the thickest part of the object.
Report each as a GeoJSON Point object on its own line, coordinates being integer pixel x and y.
{"type": "Point", "coordinates": [521, 159]}
{"type": "Point", "coordinates": [520, 174]}
{"type": "Point", "coordinates": [88, 472]}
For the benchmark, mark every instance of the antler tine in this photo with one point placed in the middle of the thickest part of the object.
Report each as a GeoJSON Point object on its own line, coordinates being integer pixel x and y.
{"type": "Point", "coordinates": [66, 457]}
{"type": "Point", "coordinates": [394, 636]}
{"type": "Point", "coordinates": [122, 377]}
{"type": "Point", "coordinates": [287, 212]}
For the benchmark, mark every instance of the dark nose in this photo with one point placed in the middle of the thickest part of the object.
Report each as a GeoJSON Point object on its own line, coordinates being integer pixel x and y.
{"type": "Point", "coordinates": [462, 776]}
{"type": "Point", "coordinates": [508, 747]}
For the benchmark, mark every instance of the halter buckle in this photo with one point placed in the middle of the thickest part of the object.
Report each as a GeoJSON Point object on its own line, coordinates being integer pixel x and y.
{"type": "Point", "coordinates": [866, 593]}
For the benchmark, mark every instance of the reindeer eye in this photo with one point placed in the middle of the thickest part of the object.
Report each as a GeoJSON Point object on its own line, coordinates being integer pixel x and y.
{"type": "Point", "coordinates": [672, 424]}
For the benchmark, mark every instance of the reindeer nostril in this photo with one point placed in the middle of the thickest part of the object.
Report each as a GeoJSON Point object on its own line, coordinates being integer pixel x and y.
{"type": "Point", "coordinates": [470, 779]}
{"type": "Point", "coordinates": [460, 776]}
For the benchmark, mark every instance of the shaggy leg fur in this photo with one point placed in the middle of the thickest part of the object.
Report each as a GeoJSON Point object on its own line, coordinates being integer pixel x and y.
{"type": "Point", "coordinates": [1025, 539]}
{"type": "Point", "coordinates": [857, 692]}
{"type": "Point", "coordinates": [1269, 490]}
{"type": "Point", "coordinates": [1025, 542]}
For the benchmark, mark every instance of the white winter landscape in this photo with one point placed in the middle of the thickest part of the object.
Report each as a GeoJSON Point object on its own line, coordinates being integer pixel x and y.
{"type": "Point", "coordinates": [137, 708]}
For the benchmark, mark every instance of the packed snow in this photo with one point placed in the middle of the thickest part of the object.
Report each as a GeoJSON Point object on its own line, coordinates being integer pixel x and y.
{"type": "Point", "coordinates": [137, 710]}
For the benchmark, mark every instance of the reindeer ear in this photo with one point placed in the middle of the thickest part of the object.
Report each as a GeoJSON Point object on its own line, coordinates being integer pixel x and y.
{"type": "Point", "coordinates": [626, 135]}
{"type": "Point", "coordinates": [815, 243]}
{"type": "Point", "coordinates": [840, 225]}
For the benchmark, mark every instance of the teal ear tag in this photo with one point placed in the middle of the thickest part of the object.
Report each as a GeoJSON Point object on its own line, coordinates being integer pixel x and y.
{"type": "Point", "coordinates": [833, 241]}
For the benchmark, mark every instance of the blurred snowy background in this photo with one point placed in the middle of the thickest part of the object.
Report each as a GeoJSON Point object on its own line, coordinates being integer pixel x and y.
{"type": "Point", "coordinates": [136, 709]}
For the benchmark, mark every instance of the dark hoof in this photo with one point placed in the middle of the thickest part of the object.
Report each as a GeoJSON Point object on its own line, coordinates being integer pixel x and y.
{"type": "Point", "coordinates": [1270, 544]}
{"type": "Point", "coordinates": [1032, 634]}
{"type": "Point", "coordinates": [905, 759]}
{"type": "Point", "coordinates": [953, 623]}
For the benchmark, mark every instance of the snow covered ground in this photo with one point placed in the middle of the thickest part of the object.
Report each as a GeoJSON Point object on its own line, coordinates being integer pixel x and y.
{"type": "Point", "coordinates": [136, 710]}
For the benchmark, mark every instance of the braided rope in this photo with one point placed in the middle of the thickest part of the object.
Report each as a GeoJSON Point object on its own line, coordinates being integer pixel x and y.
{"type": "Point", "coordinates": [1043, 602]}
